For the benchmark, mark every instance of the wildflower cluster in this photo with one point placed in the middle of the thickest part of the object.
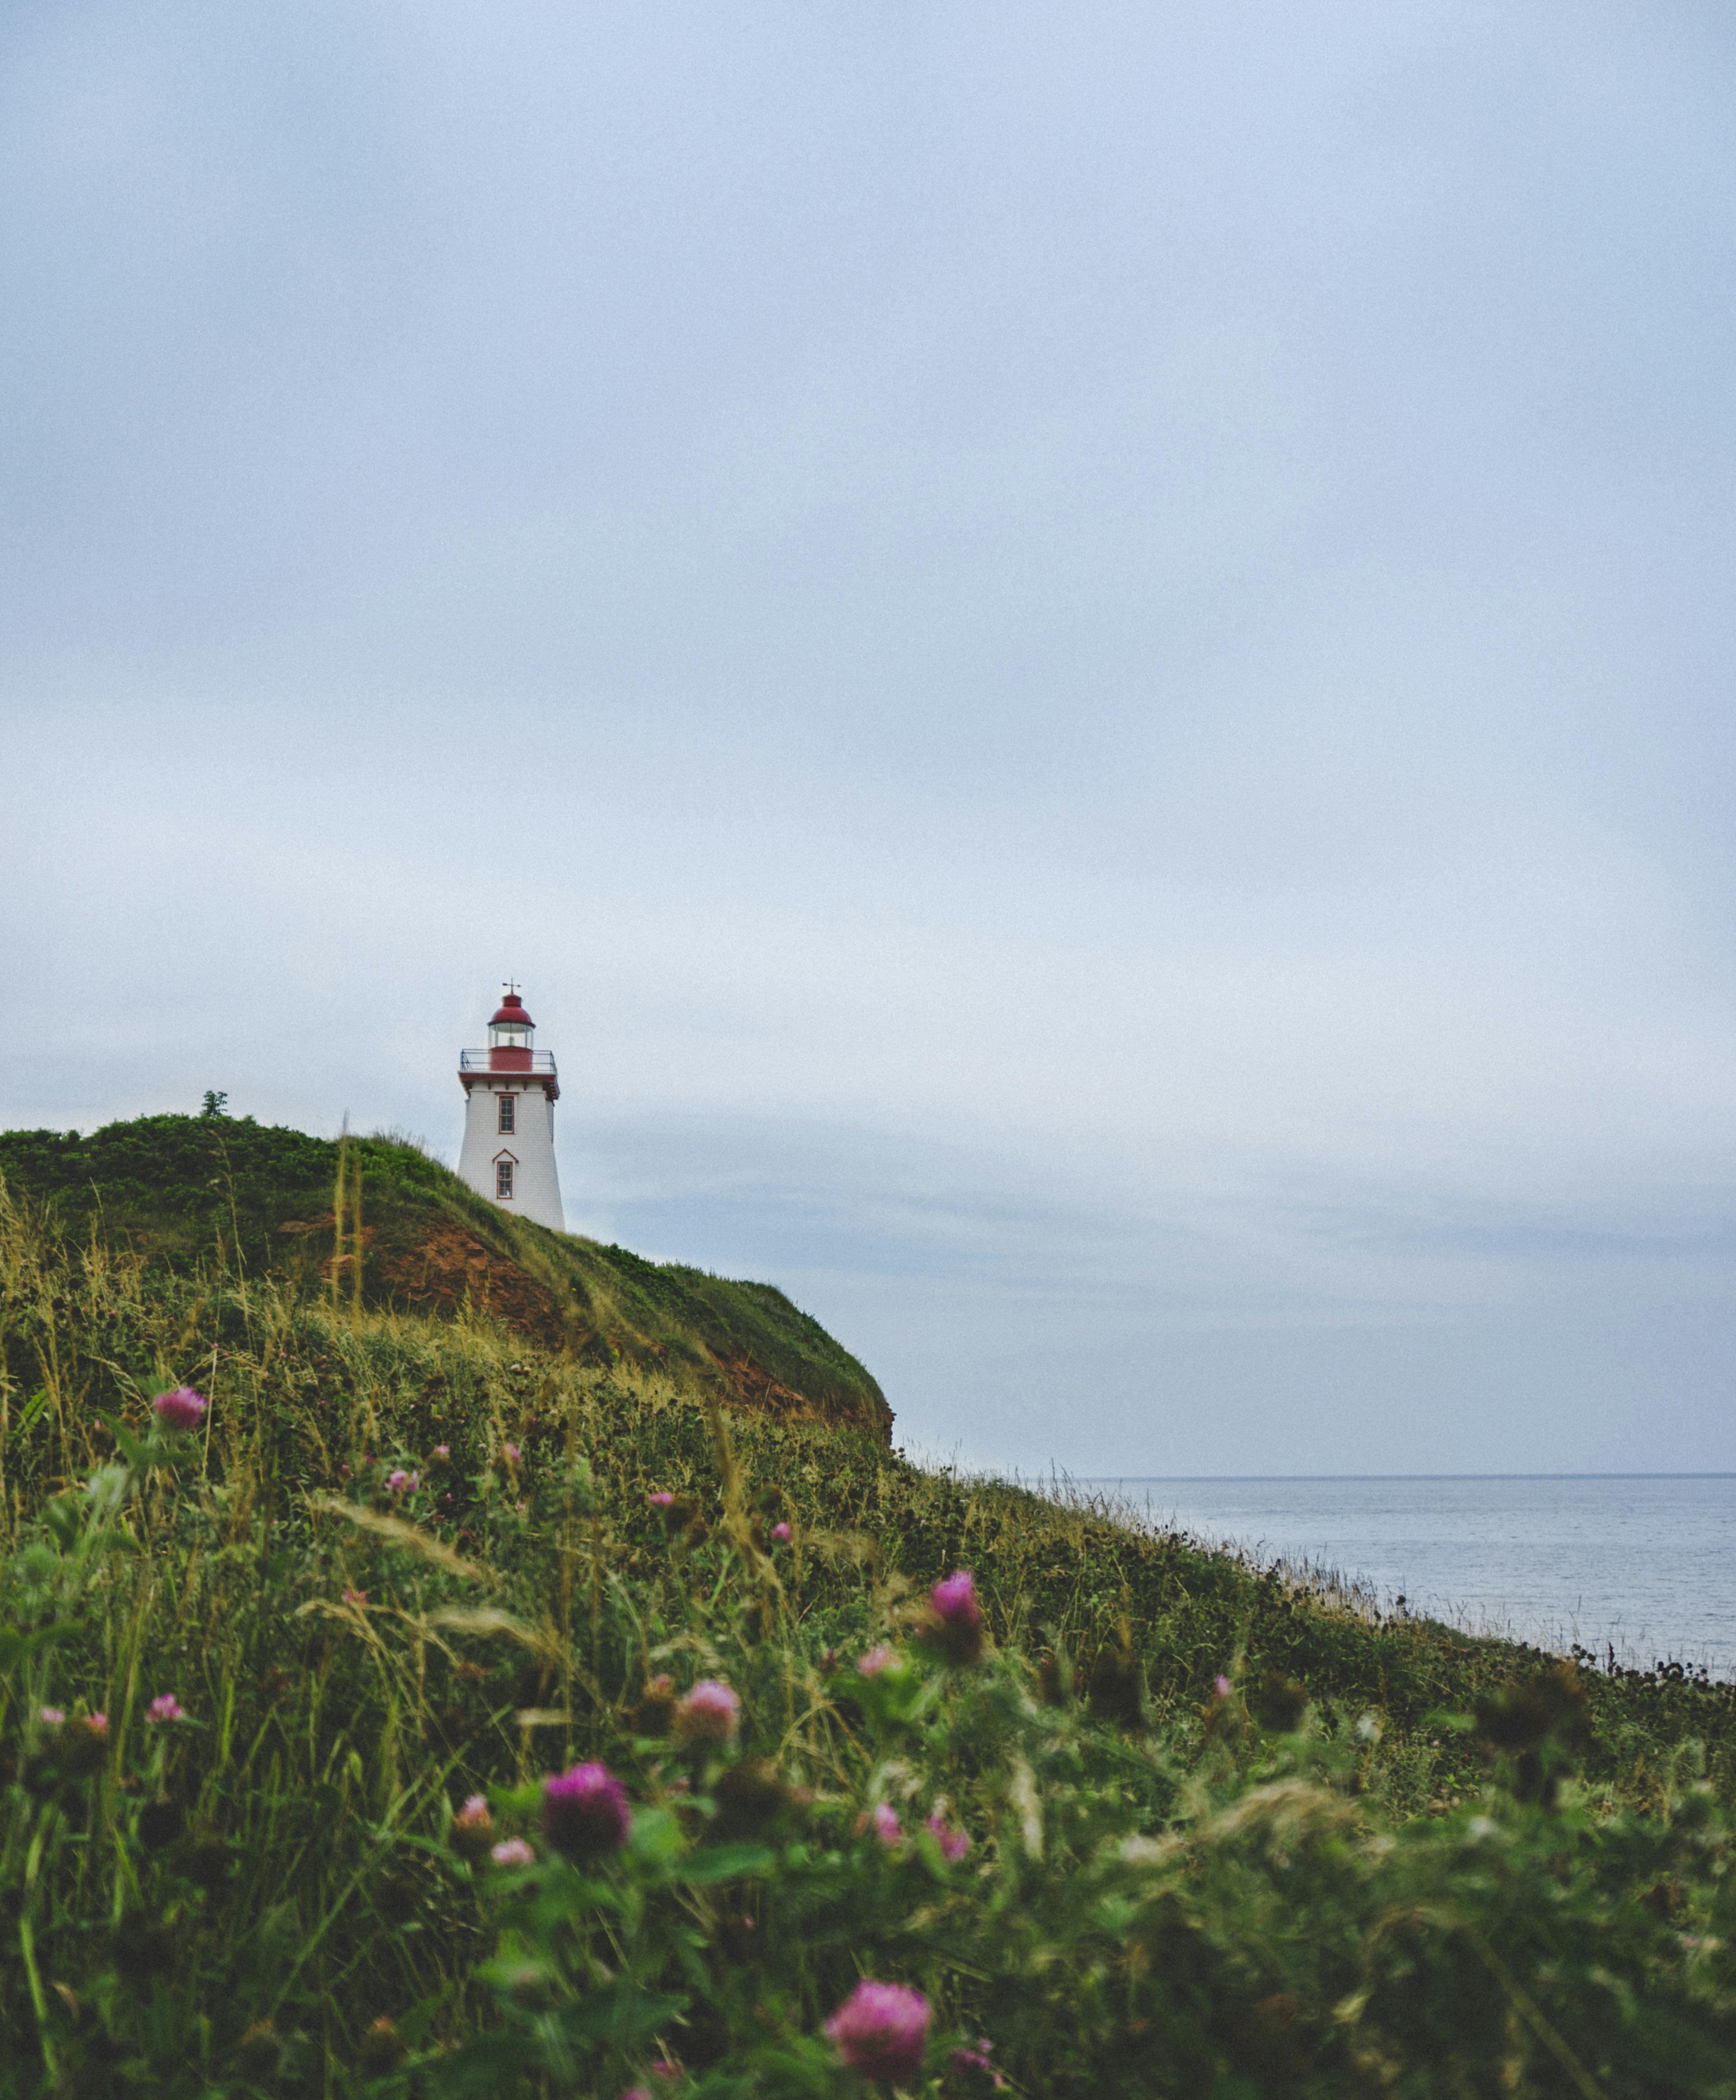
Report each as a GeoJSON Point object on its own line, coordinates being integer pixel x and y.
{"type": "Point", "coordinates": [639, 1767]}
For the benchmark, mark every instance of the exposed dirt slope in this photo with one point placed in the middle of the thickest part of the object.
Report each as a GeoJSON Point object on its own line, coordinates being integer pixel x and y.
{"type": "Point", "coordinates": [190, 1189]}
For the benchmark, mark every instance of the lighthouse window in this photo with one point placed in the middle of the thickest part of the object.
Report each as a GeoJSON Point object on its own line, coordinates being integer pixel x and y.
{"type": "Point", "coordinates": [503, 1180]}
{"type": "Point", "coordinates": [509, 1112]}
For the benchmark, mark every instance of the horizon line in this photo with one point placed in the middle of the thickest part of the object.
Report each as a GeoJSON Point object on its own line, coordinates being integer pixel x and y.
{"type": "Point", "coordinates": [1255, 1479]}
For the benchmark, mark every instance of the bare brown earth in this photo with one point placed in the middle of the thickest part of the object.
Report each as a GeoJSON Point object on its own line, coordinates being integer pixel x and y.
{"type": "Point", "coordinates": [749, 1385]}
{"type": "Point", "coordinates": [450, 1271]}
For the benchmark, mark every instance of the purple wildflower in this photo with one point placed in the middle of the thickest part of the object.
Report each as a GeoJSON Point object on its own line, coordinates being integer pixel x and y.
{"type": "Point", "coordinates": [512, 1453]}
{"type": "Point", "coordinates": [883, 1819]}
{"type": "Point", "coordinates": [397, 1480]}
{"type": "Point", "coordinates": [881, 2030]}
{"type": "Point", "coordinates": [52, 1717]}
{"type": "Point", "coordinates": [977, 2059]}
{"type": "Point", "coordinates": [662, 1499]}
{"type": "Point", "coordinates": [952, 1841]}
{"type": "Point", "coordinates": [709, 1713]}
{"type": "Point", "coordinates": [585, 1813]}
{"type": "Point", "coordinates": [955, 1620]}
{"type": "Point", "coordinates": [165, 1707]}
{"type": "Point", "coordinates": [876, 1659]}
{"type": "Point", "coordinates": [475, 1814]}
{"type": "Point", "coordinates": [1223, 1687]}
{"type": "Point", "coordinates": [472, 1826]}
{"type": "Point", "coordinates": [513, 1852]}
{"type": "Point", "coordinates": [443, 1452]}
{"type": "Point", "coordinates": [179, 1409]}
{"type": "Point", "coordinates": [780, 1533]}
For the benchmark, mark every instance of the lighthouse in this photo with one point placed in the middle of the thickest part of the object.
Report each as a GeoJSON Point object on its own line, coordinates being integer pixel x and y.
{"type": "Point", "coordinates": [510, 1091]}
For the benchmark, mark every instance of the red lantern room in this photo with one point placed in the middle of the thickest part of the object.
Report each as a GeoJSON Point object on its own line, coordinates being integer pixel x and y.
{"type": "Point", "coordinates": [509, 1034]}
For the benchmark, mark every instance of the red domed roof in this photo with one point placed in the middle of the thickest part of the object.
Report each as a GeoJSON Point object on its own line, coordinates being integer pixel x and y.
{"type": "Point", "coordinates": [512, 1013]}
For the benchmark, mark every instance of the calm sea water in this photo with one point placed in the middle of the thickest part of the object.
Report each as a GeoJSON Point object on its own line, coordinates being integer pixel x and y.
{"type": "Point", "coordinates": [1646, 1562]}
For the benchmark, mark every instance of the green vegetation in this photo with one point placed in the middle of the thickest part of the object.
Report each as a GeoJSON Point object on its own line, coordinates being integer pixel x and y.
{"type": "Point", "coordinates": [404, 1560]}
{"type": "Point", "coordinates": [199, 1192]}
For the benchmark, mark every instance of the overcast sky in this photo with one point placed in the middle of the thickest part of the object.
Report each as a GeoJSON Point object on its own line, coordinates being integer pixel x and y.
{"type": "Point", "coordinates": [1082, 654]}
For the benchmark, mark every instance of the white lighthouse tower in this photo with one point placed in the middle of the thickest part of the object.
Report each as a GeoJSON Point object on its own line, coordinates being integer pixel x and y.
{"type": "Point", "coordinates": [510, 1091]}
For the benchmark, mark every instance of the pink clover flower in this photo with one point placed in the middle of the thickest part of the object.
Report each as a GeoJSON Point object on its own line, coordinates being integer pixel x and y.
{"type": "Point", "coordinates": [881, 2030]}
{"type": "Point", "coordinates": [883, 1819]}
{"type": "Point", "coordinates": [710, 1714]}
{"type": "Point", "coordinates": [585, 1814]}
{"type": "Point", "coordinates": [179, 1409]}
{"type": "Point", "coordinates": [952, 1841]}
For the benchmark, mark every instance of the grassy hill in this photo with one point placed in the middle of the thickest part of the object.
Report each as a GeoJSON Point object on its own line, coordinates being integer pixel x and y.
{"type": "Point", "coordinates": [1164, 1823]}
{"type": "Point", "coordinates": [258, 1201]}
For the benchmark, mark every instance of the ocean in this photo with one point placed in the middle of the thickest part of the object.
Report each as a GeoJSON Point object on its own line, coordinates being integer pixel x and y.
{"type": "Point", "coordinates": [1643, 1563]}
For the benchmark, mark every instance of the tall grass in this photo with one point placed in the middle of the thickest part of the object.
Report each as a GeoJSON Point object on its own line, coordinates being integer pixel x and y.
{"type": "Point", "coordinates": [401, 1563]}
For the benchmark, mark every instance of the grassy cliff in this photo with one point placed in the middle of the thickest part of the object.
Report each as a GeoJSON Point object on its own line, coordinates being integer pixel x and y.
{"type": "Point", "coordinates": [1152, 1822]}
{"type": "Point", "coordinates": [250, 1200]}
